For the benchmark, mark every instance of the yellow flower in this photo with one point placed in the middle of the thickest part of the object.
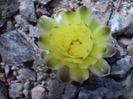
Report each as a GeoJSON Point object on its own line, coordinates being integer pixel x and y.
{"type": "Point", "coordinates": [77, 43]}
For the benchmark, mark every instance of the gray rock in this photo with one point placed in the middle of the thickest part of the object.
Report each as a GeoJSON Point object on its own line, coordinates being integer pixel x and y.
{"type": "Point", "coordinates": [44, 96]}
{"type": "Point", "coordinates": [95, 7]}
{"type": "Point", "coordinates": [120, 69]}
{"type": "Point", "coordinates": [3, 91]}
{"type": "Point", "coordinates": [16, 48]}
{"type": "Point", "coordinates": [116, 57]}
{"type": "Point", "coordinates": [41, 76]}
{"type": "Point", "coordinates": [27, 85]}
{"type": "Point", "coordinates": [34, 31]}
{"type": "Point", "coordinates": [37, 92]}
{"type": "Point", "coordinates": [127, 84]}
{"type": "Point", "coordinates": [42, 2]}
{"type": "Point", "coordinates": [100, 88]}
{"type": "Point", "coordinates": [117, 22]}
{"type": "Point", "coordinates": [97, 94]}
{"type": "Point", "coordinates": [116, 15]}
{"type": "Point", "coordinates": [27, 10]}
{"type": "Point", "coordinates": [15, 90]}
{"type": "Point", "coordinates": [121, 21]}
{"type": "Point", "coordinates": [26, 74]}
{"type": "Point", "coordinates": [130, 48]}
{"type": "Point", "coordinates": [2, 22]}
{"type": "Point", "coordinates": [114, 88]}
{"type": "Point", "coordinates": [22, 23]}
{"type": "Point", "coordinates": [9, 26]}
{"type": "Point", "coordinates": [121, 50]}
{"type": "Point", "coordinates": [8, 8]}
{"type": "Point", "coordinates": [70, 91]}
{"type": "Point", "coordinates": [127, 30]}
{"type": "Point", "coordinates": [3, 2]}
{"type": "Point", "coordinates": [56, 89]}
{"type": "Point", "coordinates": [131, 61]}
{"type": "Point", "coordinates": [40, 66]}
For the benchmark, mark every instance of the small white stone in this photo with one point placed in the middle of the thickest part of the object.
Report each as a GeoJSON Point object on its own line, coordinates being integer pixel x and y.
{"type": "Point", "coordinates": [26, 93]}
{"type": "Point", "coordinates": [37, 92]}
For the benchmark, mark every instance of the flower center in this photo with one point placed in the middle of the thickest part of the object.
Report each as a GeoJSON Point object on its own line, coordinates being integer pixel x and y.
{"type": "Point", "coordinates": [72, 49]}
{"type": "Point", "coordinates": [72, 41]}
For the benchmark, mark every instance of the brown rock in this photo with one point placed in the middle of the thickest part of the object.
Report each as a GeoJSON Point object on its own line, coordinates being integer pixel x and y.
{"type": "Point", "coordinates": [124, 42]}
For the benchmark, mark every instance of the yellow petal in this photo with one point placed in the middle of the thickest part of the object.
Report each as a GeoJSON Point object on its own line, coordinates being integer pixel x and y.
{"type": "Point", "coordinates": [88, 61]}
{"type": "Point", "coordinates": [52, 62]}
{"type": "Point", "coordinates": [47, 23]}
{"type": "Point", "coordinates": [85, 14]}
{"type": "Point", "coordinates": [111, 50]}
{"type": "Point", "coordinates": [78, 74]}
{"type": "Point", "coordinates": [43, 46]}
{"type": "Point", "coordinates": [70, 64]}
{"type": "Point", "coordinates": [101, 68]}
{"type": "Point", "coordinates": [63, 74]}
{"type": "Point", "coordinates": [70, 17]}
{"type": "Point", "coordinates": [44, 40]}
{"type": "Point", "coordinates": [94, 24]}
{"type": "Point", "coordinates": [101, 34]}
{"type": "Point", "coordinates": [58, 16]}
{"type": "Point", "coordinates": [73, 60]}
{"type": "Point", "coordinates": [98, 50]}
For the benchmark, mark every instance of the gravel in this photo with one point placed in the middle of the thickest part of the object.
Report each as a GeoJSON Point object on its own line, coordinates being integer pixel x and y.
{"type": "Point", "coordinates": [24, 74]}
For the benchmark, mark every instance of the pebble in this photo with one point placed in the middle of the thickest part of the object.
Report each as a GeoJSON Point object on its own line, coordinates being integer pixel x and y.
{"type": "Point", "coordinates": [120, 69]}
{"type": "Point", "coordinates": [34, 31]}
{"type": "Point", "coordinates": [27, 10]}
{"type": "Point", "coordinates": [22, 23]}
{"type": "Point", "coordinates": [26, 74]}
{"type": "Point", "coordinates": [8, 8]}
{"type": "Point", "coordinates": [41, 76]}
{"type": "Point", "coordinates": [124, 42]}
{"type": "Point", "coordinates": [9, 26]}
{"type": "Point", "coordinates": [55, 84]}
{"type": "Point", "coordinates": [37, 92]}
{"type": "Point", "coordinates": [26, 93]}
{"type": "Point", "coordinates": [14, 68]}
{"type": "Point", "coordinates": [121, 50]}
{"type": "Point", "coordinates": [130, 48]}
{"type": "Point", "coordinates": [70, 91]}
{"type": "Point", "coordinates": [15, 90]}
{"type": "Point", "coordinates": [15, 73]}
{"type": "Point", "coordinates": [127, 84]}
{"type": "Point", "coordinates": [27, 84]}
{"type": "Point", "coordinates": [7, 69]}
